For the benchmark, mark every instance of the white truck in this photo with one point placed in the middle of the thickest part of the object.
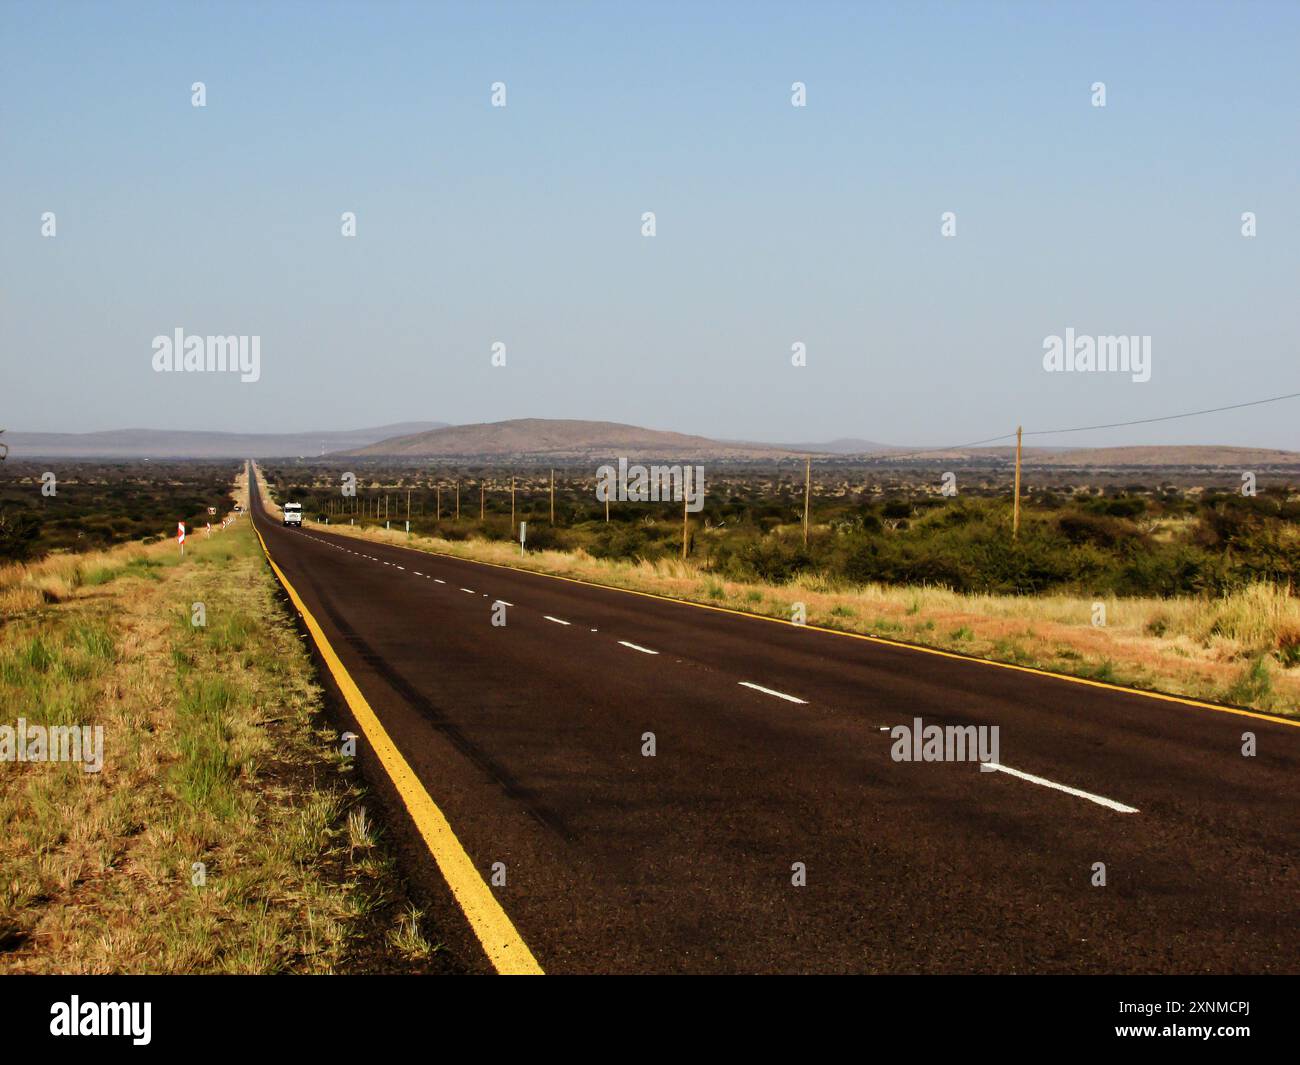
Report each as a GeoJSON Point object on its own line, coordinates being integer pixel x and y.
{"type": "Point", "coordinates": [293, 514]}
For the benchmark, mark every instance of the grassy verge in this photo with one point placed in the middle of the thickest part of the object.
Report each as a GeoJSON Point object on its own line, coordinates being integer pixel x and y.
{"type": "Point", "coordinates": [223, 833]}
{"type": "Point", "coordinates": [1242, 648]}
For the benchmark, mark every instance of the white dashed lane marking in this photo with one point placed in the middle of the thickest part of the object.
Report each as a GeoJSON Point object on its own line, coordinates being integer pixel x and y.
{"type": "Point", "coordinates": [757, 687]}
{"type": "Point", "coordinates": [1100, 800]}
{"type": "Point", "coordinates": [769, 691]}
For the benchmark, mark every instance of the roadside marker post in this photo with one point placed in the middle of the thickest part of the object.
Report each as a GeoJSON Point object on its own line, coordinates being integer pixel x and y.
{"type": "Point", "coordinates": [523, 535]}
{"type": "Point", "coordinates": [180, 536]}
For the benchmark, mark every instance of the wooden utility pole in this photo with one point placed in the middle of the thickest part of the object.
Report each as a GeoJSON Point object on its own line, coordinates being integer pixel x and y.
{"type": "Point", "coordinates": [512, 507]}
{"type": "Point", "coordinates": [438, 491]}
{"type": "Point", "coordinates": [807, 497]}
{"type": "Point", "coordinates": [686, 502]}
{"type": "Point", "coordinates": [458, 499]}
{"type": "Point", "coordinates": [408, 504]}
{"type": "Point", "coordinates": [552, 497]}
{"type": "Point", "coordinates": [1015, 518]}
{"type": "Point", "coordinates": [482, 499]}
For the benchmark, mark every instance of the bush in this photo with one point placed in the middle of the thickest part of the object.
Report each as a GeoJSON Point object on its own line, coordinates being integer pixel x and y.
{"type": "Point", "coordinates": [774, 561]}
{"type": "Point", "coordinates": [1080, 527]}
{"type": "Point", "coordinates": [19, 536]}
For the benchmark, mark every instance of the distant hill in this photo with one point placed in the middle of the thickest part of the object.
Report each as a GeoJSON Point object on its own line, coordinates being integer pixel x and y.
{"type": "Point", "coordinates": [557, 438]}
{"type": "Point", "coordinates": [185, 444]}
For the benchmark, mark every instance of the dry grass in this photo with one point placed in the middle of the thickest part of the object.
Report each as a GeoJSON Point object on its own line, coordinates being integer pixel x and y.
{"type": "Point", "coordinates": [216, 762]}
{"type": "Point", "coordinates": [1242, 648]}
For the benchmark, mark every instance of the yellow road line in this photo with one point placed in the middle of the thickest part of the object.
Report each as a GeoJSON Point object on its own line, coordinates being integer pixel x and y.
{"type": "Point", "coordinates": [1179, 699]}
{"type": "Point", "coordinates": [502, 943]}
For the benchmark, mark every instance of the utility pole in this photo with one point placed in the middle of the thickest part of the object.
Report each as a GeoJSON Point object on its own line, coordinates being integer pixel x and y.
{"type": "Point", "coordinates": [512, 506]}
{"type": "Point", "coordinates": [458, 499]}
{"type": "Point", "coordinates": [807, 497]}
{"type": "Point", "coordinates": [552, 497]}
{"type": "Point", "coordinates": [482, 499]}
{"type": "Point", "coordinates": [686, 502]}
{"type": "Point", "coordinates": [1015, 519]}
{"type": "Point", "coordinates": [408, 505]}
{"type": "Point", "coordinates": [438, 492]}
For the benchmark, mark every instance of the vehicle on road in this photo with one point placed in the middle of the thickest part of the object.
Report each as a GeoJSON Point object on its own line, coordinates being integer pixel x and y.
{"type": "Point", "coordinates": [293, 514]}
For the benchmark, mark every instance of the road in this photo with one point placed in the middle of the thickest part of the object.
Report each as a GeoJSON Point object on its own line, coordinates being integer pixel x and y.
{"type": "Point", "coordinates": [530, 738]}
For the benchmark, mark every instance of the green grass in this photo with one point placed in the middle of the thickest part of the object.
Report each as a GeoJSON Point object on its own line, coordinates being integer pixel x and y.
{"type": "Point", "coordinates": [1253, 686]}
{"type": "Point", "coordinates": [1105, 671]}
{"type": "Point", "coordinates": [408, 939]}
{"type": "Point", "coordinates": [101, 575]}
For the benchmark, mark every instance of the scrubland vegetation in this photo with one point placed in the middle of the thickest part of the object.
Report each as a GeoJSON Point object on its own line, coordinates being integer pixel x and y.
{"type": "Point", "coordinates": [98, 504]}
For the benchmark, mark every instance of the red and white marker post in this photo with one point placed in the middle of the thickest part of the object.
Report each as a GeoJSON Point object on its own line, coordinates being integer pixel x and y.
{"type": "Point", "coordinates": [180, 536]}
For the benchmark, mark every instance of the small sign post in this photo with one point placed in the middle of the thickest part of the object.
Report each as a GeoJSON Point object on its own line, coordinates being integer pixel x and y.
{"type": "Point", "coordinates": [180, 536]}
{"type": "Point", "coordinates": [523, 535]}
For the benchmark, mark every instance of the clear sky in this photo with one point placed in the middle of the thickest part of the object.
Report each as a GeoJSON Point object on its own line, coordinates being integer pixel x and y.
{"type": "Point", "coordinates": [775, 224]}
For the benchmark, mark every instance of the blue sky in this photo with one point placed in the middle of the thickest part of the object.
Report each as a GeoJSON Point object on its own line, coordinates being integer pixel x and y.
{"type": "Point", "coordinates": [775, 224]}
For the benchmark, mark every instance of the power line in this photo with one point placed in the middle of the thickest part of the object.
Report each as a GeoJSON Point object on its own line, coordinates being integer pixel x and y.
{"type": "Point", "coordinates": [1089, 428]}
{"type": "Point", "coordinates": [1166, 418]}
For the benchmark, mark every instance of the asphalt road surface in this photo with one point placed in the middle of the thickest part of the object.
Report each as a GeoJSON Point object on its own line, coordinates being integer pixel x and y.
{"type": "Point", "coordinates": [772, 749]}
